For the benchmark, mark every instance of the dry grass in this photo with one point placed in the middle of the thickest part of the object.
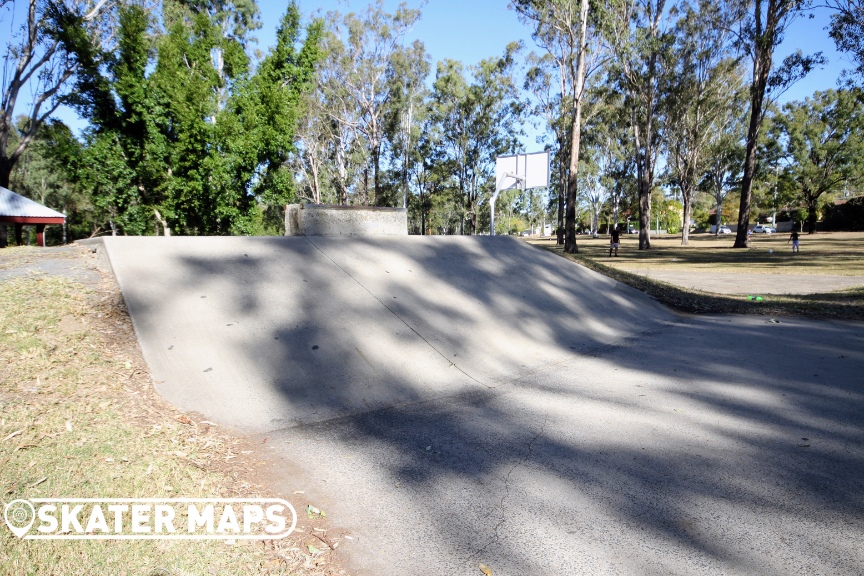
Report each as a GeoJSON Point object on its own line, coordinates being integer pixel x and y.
{"type": "Point", "coordinates": [79, 418]}
{"type": "Point", "coordinates": [840, 253]}
{"type": "Point", "coordinates": [828, 254]}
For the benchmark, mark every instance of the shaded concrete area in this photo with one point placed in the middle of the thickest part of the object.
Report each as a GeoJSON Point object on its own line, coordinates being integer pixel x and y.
{"type": "Point", "coordinates": [264, 333]}
{"type": "Point", "coordinates": [732, 283]}
{"type": "Point", "coordinates": [725, 445]}
{"type": "Point", "coordinates": [450, 401]}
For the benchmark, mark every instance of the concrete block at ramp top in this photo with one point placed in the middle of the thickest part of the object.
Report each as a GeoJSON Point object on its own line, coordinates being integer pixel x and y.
{"type": "Point", "coordinates": [334, 220]}
{"type": "Point", "coordinates": [265, 333]}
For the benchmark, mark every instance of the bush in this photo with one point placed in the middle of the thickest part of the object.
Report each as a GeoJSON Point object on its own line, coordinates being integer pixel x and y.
{"type": "Point", "coordinates": [848, 216]}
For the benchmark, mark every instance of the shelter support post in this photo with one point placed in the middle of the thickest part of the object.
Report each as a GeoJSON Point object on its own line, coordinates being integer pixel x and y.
{"type": "Point", "coordinates": [19, 234]}
{"type": "Point", "coordinates": [40, 235]}
{"type": "Point", "coordinates": [4, 240]}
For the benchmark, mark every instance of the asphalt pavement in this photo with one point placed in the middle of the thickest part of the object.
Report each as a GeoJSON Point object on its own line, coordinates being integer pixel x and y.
{"type": "Point", "coordinates": [451, 401]}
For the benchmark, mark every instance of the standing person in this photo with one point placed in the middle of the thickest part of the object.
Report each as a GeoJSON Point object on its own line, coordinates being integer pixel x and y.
{"type": "Point", "coordinates": [615, 240]}
{"type": "Point", "coordinates": [794, 239]}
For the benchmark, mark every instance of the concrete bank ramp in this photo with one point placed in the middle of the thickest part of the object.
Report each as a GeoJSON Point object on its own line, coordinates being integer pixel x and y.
{"type": "Point", "coordinates": [265, 333]}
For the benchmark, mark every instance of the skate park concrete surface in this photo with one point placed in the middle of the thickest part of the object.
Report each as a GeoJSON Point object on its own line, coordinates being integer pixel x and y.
{"type": "Point", "coordinates": [456, 400]}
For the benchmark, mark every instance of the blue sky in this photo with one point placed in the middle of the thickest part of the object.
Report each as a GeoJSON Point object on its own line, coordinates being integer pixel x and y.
{"type": "Point", "coordinates": [471, 30]}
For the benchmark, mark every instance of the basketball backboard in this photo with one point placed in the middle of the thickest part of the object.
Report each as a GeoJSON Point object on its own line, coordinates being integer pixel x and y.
{"type": "Point", "coordinates": [522, 171]}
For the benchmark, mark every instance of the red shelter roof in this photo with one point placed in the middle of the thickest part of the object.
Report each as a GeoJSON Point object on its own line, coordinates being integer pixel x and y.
{"type": "Point", "coordinates": [18, 210]}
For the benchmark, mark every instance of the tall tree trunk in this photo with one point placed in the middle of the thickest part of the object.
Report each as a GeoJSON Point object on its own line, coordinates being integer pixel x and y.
{"type": "Point", "coordinates": [719, 217]}
{"type": "Point", "coordinates": [422, 213]}
{"type": "Point", "coordinates": [685, 225]}
{"type": "Point", "coordinates": [5, 171]}
{"type": "Point", "coordinates": [642, 172]}
{"type": "Point", "coordinates": [165, 229]}
{"type": "Point", "coordinates": [376, 156]}
{"type": "Point", "coordinates": [562, 191]}
{"type": "Point", "coordinates": [576, 133]}
{"type": "Point", "coordinates": [811, 216]}
{"type": "Point", "coordinates": [764, 49]}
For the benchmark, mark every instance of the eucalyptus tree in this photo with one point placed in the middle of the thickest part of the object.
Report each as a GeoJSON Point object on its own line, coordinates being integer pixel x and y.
{"type": "Point", "coordinates": [309, 160]}
{"type": "Point", "coordinates": [822, 139]}
{"type": "Point", "coordinates": [363, 48]}
{"type": "Point", "coordinates": [724, 158]}
{"type": "Point", "coordinates": [480, 119]}
{"type": "Point", "coordinates": [702, 80]}
{"type": "Point", "coordinates": [609, 144]}
{"type": "Point", "coordinates": [40, 59]}
{"type": "Point", "coordinates": [762, 30]}
{"type": "Point", "coordinates": [334, 119]}
{"type": "Point", "coordinates": [427, 165]}
{"type": "Point", "coordinates": [562, 28]}
{"type": "Point", "coordinates": [406, 111]}
{"type": "Point", "coordinates": [847, 30]}
{"type": "Point", "coordinates": [591, 189]}
{"type": "Point", "coordinates": [639, 40]}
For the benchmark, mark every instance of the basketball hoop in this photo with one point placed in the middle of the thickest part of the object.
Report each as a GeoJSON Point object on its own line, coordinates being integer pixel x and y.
{"type": "Point", "coordinates": [521, 171]}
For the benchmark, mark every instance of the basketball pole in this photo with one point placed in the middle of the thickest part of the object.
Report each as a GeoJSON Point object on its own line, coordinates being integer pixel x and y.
{"type": "Point", "coordinates": [520, 180]}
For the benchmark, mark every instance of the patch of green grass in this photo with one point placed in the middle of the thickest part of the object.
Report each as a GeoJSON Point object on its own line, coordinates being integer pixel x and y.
{"type": "Point", "coordinates": [80, 420]}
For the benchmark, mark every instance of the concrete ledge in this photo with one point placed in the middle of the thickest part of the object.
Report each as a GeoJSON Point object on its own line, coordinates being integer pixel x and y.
{"type": "Point", "coordinates": [334, 220]}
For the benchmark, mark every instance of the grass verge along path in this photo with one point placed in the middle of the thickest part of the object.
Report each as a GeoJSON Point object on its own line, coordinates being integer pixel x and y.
{"type": "Point", "coordinates": [842, 305]}
{"type": "Point", "coordinates": [79, 419]}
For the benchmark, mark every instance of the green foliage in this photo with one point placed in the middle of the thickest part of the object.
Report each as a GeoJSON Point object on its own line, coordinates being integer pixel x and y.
{"type": "Point", "coordinates": [823, 144]}
{"type": "Point", "coordinates": [847, 31]}
{"type": "Point", "coordinates": [46, 173]}
{"type": "Point", "coordinates": [478, 120]}
{"type": "Point", "coordinates": [180, 128]}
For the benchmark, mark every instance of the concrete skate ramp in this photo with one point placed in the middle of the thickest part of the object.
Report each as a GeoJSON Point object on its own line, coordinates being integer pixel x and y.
{"type": "Point", "coordinates": [265, 333]}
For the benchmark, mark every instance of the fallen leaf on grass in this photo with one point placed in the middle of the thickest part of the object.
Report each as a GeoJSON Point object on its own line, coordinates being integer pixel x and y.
{"type": "Point", "coordinates": [314, 551]}
{"type": "Point", "coordinates": [184, 420]}
{"type": "Point", "coordinates": [485, 569]}
{"type": "Point", "coordinates": [13, 434]}
{"type": "Point", "coordinates": [68, 426]}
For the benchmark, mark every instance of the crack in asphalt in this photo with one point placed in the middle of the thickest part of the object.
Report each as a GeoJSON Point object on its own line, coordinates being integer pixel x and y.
{"type": "Point", "coordinates": [444, 356]}
{"type": "Point", "coordinates": [500, 507]}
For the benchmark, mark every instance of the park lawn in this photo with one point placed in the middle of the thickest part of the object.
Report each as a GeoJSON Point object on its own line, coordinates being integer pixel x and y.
{"type": "Point", "coordinates": [827, 254]}
{"type": "Point", "coordinates": [836, 253]}
{"type": "Point", "coordinates": [79, 418]}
